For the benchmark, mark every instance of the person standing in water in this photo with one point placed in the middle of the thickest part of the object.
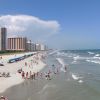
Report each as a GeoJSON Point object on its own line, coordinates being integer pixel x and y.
{"type": "Point", "coordinates": [65, 68]}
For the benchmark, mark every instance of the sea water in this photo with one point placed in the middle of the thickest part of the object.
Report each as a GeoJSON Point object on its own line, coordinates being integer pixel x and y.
{"type": "Point", "coordinates": [81, 80]}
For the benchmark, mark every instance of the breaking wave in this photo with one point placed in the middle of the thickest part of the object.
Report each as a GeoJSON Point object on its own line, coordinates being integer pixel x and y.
{"type": "Point", "coordinates": [97, 55]}
{"type": "Point", "coordinates": [77, 78]}
{"type": "Point", "coordinates": [60, 60]}
{"type": "Point", "coordinates": [53, 52]}
{"type": "Point", "coordinates": [94, 61]}
{"type": "Point", "coordinates": [91, 53]}
{"type": "Point", "coordinates": [61, 54]}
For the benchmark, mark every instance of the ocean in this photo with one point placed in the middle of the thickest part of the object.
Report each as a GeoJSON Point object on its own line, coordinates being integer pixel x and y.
{"type": "Point", "coordinates": [81, 80]}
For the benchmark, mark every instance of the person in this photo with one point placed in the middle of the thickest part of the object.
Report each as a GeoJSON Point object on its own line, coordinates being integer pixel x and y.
{"type": "Point", "coordinates": [3, 98]}
{"type": "Point", "coordinates": [0, 74]}
{"type": "Point", "coordinates": [8, 74]}
{"type": "Point", "coordinates": [53, 68]}
{"type": "Point", "coordinates": [25, 63]}
{"type": "Point", "coordinates": [65, 68]}
{"type": "Point", "coordinates": [49, 71]}
{"type": "Point", "coordinates": [20, 70]}
{"type": "Point", "coordinates": [1, 57]}
{"type": "Point", "coordinates": [26, 75]}
{"type": "Point", "coordinates": [41, 75]}
{"type": "Point", "coordinates": [34, 76]}
{"type": "Point", "coordinates": [23, 74]}
{"type": "Point", "coordinates": [3, 74]}
{"type": "Point", "coordinates": [30, 74]}
{"type": "Point", "coordinates": [48, 76]}
{"type": "Point", "coordinates": [37, 74]}
{"type": "Point", "coordinates": [57, 70]}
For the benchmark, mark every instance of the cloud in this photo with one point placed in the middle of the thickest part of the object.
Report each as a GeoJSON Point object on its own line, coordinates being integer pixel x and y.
{"type": "Point", "coordinates": [32, 27]}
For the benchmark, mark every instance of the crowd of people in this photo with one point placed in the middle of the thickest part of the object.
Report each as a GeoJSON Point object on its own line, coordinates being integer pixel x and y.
{"type": "Point", "coordinates": [41, 75]}
{"type": "Point", "coordinates": [5, 74]}
{"type": "Point", "coordinates": [30, 74]}
{"type": "Point", "coordinates": [3, 98]}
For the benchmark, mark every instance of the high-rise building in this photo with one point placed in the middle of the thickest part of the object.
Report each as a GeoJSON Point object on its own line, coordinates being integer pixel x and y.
{"type": "Point", "coordinates": [17, 43]}
{"type": "Point", "coordinates": [3, 33]}
{"type": "Point", "coordinates": [30, 46]}
{"type": "Point", "coordinates": [42, 47]}
{"type": "Point", "coordinates": [37, 47]}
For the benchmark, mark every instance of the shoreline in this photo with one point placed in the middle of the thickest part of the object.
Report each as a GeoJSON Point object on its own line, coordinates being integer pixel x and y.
{"type": "Point", "coordinates": [16, 78]}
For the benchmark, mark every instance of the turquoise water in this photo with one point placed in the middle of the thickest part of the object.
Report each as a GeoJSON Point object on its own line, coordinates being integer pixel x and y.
{"type": "Point", "coordinates": [80, 82]}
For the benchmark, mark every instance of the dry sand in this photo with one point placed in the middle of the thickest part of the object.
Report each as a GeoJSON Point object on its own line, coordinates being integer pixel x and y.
{"type": "Point", "coordinates": [16, 78]}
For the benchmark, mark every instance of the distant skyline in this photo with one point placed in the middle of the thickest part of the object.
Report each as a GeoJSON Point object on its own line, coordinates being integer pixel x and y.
{"type": "Point", "coordinates": [61, 24]}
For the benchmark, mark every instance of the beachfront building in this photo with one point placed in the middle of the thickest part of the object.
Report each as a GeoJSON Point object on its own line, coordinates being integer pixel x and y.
{"type": "Point", "coordinates": [37, 47]}
{"type": "Point", "coordinates": [40, 47]}
{"type": "Point", "coordinates": [17, 44]}
{"type": "Point", "coordinates": [30, 46]}
{"type": "Point", "coordinates": [3, 33]}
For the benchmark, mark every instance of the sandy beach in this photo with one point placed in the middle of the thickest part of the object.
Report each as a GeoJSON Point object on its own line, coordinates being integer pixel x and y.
{"type": "Point", "coordinates": [15, 77]}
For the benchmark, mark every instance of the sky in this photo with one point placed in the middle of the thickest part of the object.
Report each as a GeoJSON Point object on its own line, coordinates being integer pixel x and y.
{"type": "Point", "coordinates": [61, 24]}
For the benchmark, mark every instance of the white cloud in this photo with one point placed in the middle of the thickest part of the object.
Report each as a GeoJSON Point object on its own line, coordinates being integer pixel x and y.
{"type": "Point", "coordinates": [29, 26]}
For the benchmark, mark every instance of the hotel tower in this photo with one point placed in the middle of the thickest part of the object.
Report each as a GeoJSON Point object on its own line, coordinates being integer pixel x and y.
{"type": "Point", "coordinates": [3, 33]}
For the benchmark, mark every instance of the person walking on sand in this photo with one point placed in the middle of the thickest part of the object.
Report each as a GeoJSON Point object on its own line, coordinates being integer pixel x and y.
{"type": "Point", "coordinates": [37, 74]}
{"type": "Point", "coordinates": [30, 73]}
{"type": "Point", "coordinates": [26, 75]}
{"type": "Point", "coordinates": [23, 74]}
{"type": "Point", "coordinates": [25, 63]}
{"type": "Point", "coordinates": [3, 98]}
{"type": "Point", "coordinates": [34, 76]}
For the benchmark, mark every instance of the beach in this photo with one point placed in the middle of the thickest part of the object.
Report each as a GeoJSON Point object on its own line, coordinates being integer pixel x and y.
{"type": "Point", "coordinates": [15, 77]}
{"type": "Point", "coordinates": [80, 81]}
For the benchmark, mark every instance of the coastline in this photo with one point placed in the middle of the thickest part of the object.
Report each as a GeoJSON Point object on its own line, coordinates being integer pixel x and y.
{"type": "Point", "coordinates": [16, 78]}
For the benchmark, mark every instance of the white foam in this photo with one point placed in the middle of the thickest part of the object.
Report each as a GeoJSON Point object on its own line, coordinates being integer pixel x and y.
{"type": "Point", "coordinates": [75, 77]}
{"type": "Point", "coordinates": [81, 58]}
{"type": "Point", "coordinates": [60, 60]}
{"type": "Point", "coordinates": [55, 51]}
{"type": "Point", "coordinates": [62, 54]}
{"type": "Point", "coordinates": [94, 61]}
{"type": "Point", "coordinates": [97, 55]}
{"type": "Point", "coordinates": [91, 53]}
{"type": "Point", "coordinates": [76, 57]}
{"type": "Point", "coordinates": [80, 81]}
{"type": "Point", "coordinates": [74, 62]}
{"type": "Point", "coordinates": [62, 69]}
